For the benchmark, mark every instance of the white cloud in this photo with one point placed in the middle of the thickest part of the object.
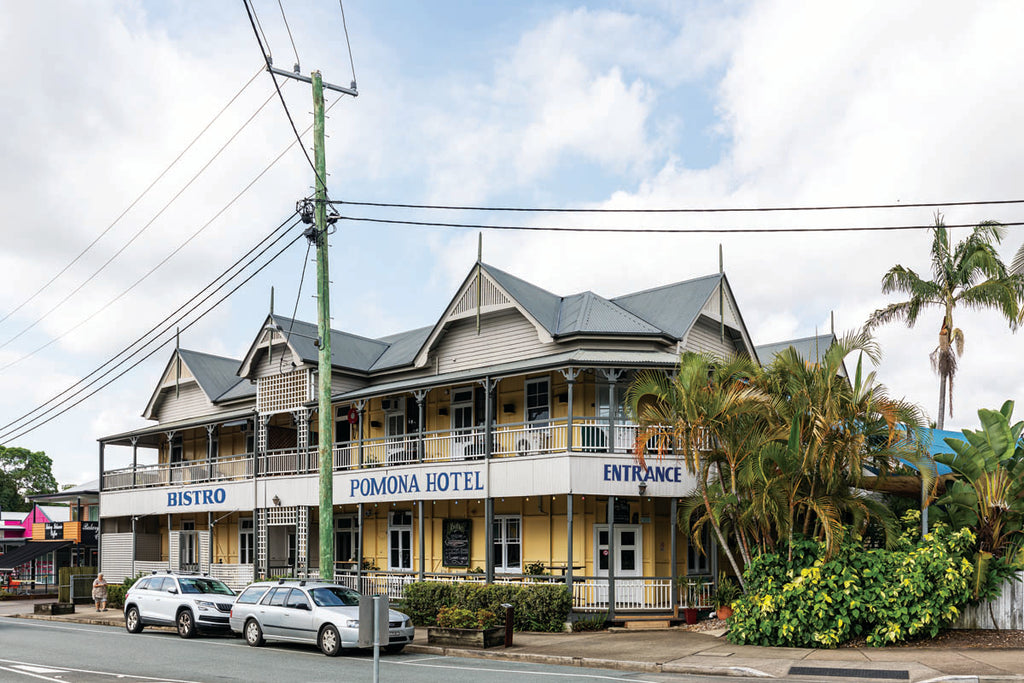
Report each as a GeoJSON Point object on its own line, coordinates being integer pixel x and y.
{"type": "Point", "coordinates": [813, 103]}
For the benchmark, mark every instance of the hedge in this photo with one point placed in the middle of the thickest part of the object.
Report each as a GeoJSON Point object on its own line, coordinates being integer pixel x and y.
{"type": "Point", "coordinates": [538, 607]}
{"type": "Point", "coordinates": [883, 596]}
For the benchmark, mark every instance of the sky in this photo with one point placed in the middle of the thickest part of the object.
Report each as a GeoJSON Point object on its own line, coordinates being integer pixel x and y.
{"type": "Point", "coordinates": [645, 104]}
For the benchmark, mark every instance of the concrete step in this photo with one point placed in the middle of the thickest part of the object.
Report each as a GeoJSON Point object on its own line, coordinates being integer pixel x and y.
{"type": "Point", "coordinates": [646, 624]}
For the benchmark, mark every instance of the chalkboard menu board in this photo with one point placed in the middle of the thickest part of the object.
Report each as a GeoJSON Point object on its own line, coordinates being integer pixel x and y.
{"type": "Point", "coordinates": [455, 542]}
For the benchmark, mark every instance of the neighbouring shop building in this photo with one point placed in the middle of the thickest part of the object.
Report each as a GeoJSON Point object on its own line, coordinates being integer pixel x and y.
{"type": "Point", "coordinates": [490, 446]}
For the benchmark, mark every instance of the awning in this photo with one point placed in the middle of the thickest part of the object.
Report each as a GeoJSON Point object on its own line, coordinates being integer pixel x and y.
{"type": "Point", "coordinates": [29, 552]}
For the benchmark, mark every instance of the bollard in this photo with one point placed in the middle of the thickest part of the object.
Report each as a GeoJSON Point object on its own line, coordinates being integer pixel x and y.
{"type": "Point", "coordinates": [510, 614]}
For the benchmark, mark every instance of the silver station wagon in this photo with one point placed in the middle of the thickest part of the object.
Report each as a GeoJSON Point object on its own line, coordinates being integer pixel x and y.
{"type": "Point", "coordinates": [309, 612]}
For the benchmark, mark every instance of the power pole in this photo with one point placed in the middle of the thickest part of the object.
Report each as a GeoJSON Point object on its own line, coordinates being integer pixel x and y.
{"type": "Point", "coordinates": [318, 235]}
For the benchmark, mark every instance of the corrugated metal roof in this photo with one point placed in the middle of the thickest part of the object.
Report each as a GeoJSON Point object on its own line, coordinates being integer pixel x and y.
{"type": "Point", "coordinates": [124, 438]}
{"type": "Point", "coordinates": [672, 308]}
{"type": "Point", "coordinates": [590, 313]}
{"type": "Point", "coordinates": [88, 488]}
{"type": "Point", "coordinates": [215, 374]}
{"type": "Point", "coordinates": [348, 351]}
{"type": "Point", "coordinates": [579, 357]}
{"type": "Point", "coordinates": [540, 303]}
{"type": "Point", "coordinates": [402, 348]}
{"type": "Point", "coordinates": [811, 348]}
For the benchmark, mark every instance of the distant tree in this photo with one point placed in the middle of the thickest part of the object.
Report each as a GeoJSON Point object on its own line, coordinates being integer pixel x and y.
{"type": "Point", "coordinates": [970, 275]}
{"type": "Point", "coordinates": [24, 473]}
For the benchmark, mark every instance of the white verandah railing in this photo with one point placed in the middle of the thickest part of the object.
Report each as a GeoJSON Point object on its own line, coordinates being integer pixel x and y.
{"type": "Point", "coordinates": [589, 435]}
{"type": "Point", "coordinates": [589, 593]}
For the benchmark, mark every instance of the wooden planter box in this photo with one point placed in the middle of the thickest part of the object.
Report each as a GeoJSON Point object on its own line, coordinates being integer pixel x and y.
{"type": "Point", "coordinates": [54, 608]}
{"type": "Point", "coordinates": [466, 637]}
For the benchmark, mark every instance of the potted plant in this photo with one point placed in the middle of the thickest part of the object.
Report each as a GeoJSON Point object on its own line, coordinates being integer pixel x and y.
{"type": "Point", "coordinates": [458, 627]}
{"type": "Point", "coordinates": [690, 606]}
{"type": "Point", "coordinates": [725, 594]}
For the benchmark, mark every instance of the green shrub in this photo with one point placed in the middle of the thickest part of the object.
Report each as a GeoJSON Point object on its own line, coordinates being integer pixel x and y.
{"type": "Point", "coordinates": [538, 607]}
{"type": "Point", "coordinates": [115, 595]}
{"type": "Point", "coordinates": [456, 617]}
{"type": "Point", "coordinates": [884, 596]}
{"type": "Point", "coordinates": [592, 622]}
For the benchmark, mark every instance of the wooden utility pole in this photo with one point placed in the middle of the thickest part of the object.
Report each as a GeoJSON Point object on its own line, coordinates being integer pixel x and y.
{"type": "Point", "coordinates": [319, 237]}
{"type": "Point", "coordinates": [323, 315]}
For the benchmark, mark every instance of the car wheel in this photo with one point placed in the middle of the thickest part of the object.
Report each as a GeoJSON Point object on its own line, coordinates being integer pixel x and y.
{"type": "Point", "coordinates": [330, 641]}
{"type": "Point", "coordinates": [395, 649]}
{"type": "Point", "coordinates": [186, 624]}
{"type": "Point", "coordinates": [253, 633]}
{"type": "Point", "coordinates": [132, 620]}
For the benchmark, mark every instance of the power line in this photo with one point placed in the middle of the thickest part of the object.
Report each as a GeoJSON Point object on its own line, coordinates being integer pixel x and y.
{"type": "Point", "coordinates": [136, 200]}
{"type": "Point", "coordinates": [536, 228]}
{"type": "Point", "coordinates": [251, 11]}
{"type": "Point", "coordinates": [347, 42]}
{"type": "Point", "coordinates": [536, 209]}
{"type": "Point", "coordinates": [26, 428]}
{"type": "Point", "coordinates": [141, 230]}
{"type": "Point", "coordinates": [298, 294]}
{"type": "Point", "coordinates": [157, 326]}
{"type": "Point", "coordinates": [165, 259]}
{"type": "Point", "coordinates": [289, 29]}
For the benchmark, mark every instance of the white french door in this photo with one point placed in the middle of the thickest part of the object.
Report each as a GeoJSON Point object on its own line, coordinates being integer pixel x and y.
{"type": "Point", "coordinates": [628, 561]}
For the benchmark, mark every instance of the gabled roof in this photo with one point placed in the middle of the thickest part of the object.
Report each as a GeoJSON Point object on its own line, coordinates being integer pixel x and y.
{"type": "Point", "coordinates": [811, 348]}
{"type": "Point", "coordinates": [348, 351]}
{"type": "Point", "coordinates": [539, 303]}
{"type": "Point", "coordinates": [671, 308]}
{"type": "Point", "coordinates": [216, 376]}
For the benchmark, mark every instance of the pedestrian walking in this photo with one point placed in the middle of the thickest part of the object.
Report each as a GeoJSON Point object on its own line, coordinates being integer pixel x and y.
{"type": "Point", "coordinates": [99, 593]}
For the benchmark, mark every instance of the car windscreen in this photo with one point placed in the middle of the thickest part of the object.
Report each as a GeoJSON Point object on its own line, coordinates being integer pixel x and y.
{"type": "Point", "coordinates": [334, 596]}
{"type": "Point", "coordinates": [252, 595]}
{"type": "Point", "coordinates": [194, 585]}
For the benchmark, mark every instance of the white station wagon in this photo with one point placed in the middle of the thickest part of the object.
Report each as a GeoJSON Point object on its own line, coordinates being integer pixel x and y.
{"type": "Point", "coordinates": [303, 611]}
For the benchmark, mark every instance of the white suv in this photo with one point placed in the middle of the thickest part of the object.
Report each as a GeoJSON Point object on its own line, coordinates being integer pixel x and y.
{"type": "Point", "coordinates": [189, 602]}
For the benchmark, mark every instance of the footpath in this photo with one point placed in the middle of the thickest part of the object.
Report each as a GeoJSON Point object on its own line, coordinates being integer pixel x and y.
{"type": "Point", "coordinates": [675, 651]}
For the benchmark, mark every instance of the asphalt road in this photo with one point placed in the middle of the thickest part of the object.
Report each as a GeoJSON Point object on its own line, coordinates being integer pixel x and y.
{"type": "Point", "coordinates": [54, 651]}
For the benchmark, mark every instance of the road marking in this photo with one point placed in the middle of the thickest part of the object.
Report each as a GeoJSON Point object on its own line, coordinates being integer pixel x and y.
{"type": "Point", "coordinates": [39, 669]}
{"type": "Point", "coordinates": [522, 673]}
{"type": "Point", "coordinates": [16, 667]}
{"type": "Point", "coordinates": [32, 675]}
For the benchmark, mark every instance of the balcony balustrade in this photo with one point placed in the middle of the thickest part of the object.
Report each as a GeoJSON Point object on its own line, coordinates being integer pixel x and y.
{"type": "Point", "coordinates": [589, 435]}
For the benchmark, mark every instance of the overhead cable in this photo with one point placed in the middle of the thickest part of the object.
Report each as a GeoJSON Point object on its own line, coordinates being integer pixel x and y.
{"type": "Point", "coordinates": [741, 230]}
{"type": "Point", "coordinates": [344, 25]}
{"type": "Point", "coordinates": [752, 209]}
{"type": "Point", "coordinates": [27, 426]}
{"type": "Point", "coordinates": [141, 230]}
{"type": "Point", "coordinates": [134, 202]}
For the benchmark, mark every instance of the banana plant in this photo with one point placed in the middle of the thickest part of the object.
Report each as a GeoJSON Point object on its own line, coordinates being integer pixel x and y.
{"type": "Point", "coordinates": [988, 488]}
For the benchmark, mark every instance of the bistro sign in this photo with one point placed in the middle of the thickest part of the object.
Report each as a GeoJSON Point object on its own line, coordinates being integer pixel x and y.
{"type": "Point", "coordinates": [196, 497]}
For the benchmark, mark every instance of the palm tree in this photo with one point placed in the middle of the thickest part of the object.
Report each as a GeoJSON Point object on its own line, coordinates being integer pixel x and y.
{"type": "Point", "coordinates": [969, 274]}
{"type": "Point", "coordinates": [685, 414]}
{"type": "Point", "coordinates": [838, 429]}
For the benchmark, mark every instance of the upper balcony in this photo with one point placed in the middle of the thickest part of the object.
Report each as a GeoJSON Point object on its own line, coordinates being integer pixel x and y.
{"type": "Point", "coordinates": [586, 435]}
